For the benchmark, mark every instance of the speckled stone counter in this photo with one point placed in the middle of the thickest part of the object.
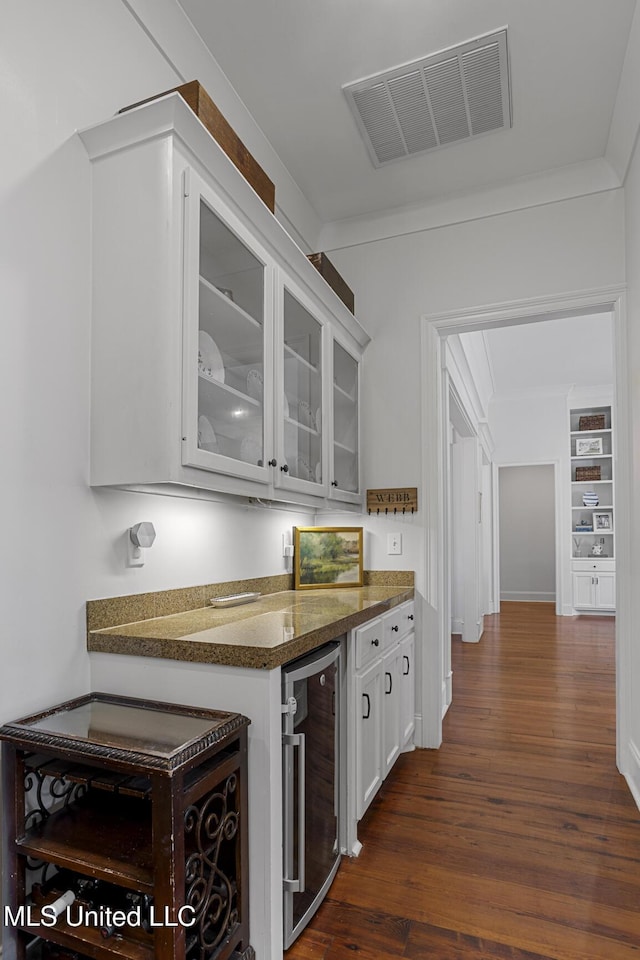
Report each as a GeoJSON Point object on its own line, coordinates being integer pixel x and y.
{"type": "Point", "coordinates": [263, 635]}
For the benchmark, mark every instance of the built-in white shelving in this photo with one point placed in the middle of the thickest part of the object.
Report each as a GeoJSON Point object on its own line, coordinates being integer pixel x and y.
{"type": "Point", "coordinates": [591, 438]}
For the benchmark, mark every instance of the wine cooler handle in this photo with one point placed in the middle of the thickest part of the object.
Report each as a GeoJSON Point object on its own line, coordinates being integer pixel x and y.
{"type": "Point", "coordinates": [297, 885]}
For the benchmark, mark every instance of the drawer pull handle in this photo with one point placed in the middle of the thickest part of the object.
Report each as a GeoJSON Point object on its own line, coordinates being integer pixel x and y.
{"type": "Point", "coordinates": [395, 627]}
{"type": "Point", "coordinates": [375, 642]}
{"type": "Point", "coordinates": [406, 672]}
{"type": "Point", "coordinates": [410, 617]}
{"type": "Point", "coordinates": [387, 674]}
{"type": "Point", "coordinates": [365, 716]}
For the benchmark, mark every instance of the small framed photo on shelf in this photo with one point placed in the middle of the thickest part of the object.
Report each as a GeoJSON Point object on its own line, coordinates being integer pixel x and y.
{"type": "Point", "coordinates": [588, 446]}
{"type": "Point", "coordinates": [327, 557]}
{"type": "Point", "coordinates": [602, 522]}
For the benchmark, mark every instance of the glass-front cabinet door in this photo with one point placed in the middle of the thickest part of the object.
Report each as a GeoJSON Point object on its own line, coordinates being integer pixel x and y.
{"type": "Point", "coordinates": [302, 444]}
{"type": "Point", "coordinates": [345, 454]}
{"type": "Point", "coordinates": [227, 421]}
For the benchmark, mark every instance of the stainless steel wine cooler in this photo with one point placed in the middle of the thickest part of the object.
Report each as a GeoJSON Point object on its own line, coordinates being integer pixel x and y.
{"type": "Point", "coordinates": [312, 689]}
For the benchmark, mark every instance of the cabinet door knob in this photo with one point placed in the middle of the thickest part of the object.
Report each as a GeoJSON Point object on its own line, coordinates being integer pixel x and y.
{"type": "Point", "coordinates": [410, 616]}
{"type": "Point", "coordinates": [334, 483]}
{"type": "Point", "coordinates": [273, 463]}
{"type": "Point", "coordinates": [285, 468]}
{"type": "Point", "coordinates": [395, 628]}
{"type": "Point", "coordinates": [375, 642]}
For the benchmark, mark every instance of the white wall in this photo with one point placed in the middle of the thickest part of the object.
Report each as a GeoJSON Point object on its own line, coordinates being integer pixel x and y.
{"type": "Point", "coordinates": [458, 543]}
{"type": "Point", "coordinates": [630, 675]}
{"type": "Point", "coordinates": [527, 533]}
{"type": "Point", "coordinates": [546, 251]}
{"type": "Point", "coordinates": [66, 65]}
{"type": "Point", "coordinates": [532, 428]}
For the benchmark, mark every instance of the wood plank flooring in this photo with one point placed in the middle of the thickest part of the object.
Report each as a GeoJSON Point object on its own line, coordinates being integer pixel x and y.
{"type": "Point", "coordinates": [518, 839]}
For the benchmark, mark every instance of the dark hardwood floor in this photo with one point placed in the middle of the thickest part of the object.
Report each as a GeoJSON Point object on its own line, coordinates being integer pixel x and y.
{"type": "Point", "coordinates": [518, 839]}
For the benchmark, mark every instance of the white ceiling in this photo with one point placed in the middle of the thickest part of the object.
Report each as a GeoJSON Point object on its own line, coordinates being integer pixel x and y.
{"type": "Point", "coordinates": [288, 60]}
{"type": "Point", "coordinates": [548, 355]}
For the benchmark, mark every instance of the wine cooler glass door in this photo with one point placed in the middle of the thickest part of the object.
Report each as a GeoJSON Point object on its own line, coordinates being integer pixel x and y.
{"type": "Point", "coordinates": [311, 784]}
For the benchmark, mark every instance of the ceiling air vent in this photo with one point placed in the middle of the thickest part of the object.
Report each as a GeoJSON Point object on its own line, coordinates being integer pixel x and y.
{"type": "Point", "coordinates": [450, 96]}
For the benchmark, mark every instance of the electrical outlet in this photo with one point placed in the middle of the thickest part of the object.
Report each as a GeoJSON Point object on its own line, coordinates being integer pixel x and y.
{"type": "Point", "coordinates": [394, 543]}
{"type": "Point", "coordinates": [287, 548]}
{"type": "Point", "coordinates": [135, 555]}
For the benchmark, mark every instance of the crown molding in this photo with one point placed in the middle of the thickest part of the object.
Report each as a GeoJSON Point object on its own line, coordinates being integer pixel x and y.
{"type": "Point", "coordinates": [564, 183]}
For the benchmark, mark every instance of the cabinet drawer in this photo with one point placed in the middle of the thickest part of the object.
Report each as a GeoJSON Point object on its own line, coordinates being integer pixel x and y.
{"type": "Point", "coordinates": [588, 566]}
{"type": "Point", "coordinates": [398, 623]}
{"type": "Point", "coordinates": [368, 642]}
{"type": "Point", "coordinates": [392, 627]}
{"type": "Point", "coordinates": [407, 617]}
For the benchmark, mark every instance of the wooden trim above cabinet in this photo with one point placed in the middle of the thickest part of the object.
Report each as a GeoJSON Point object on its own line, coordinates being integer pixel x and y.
{"type": "Point", "coordinates": [327, 270]}
{"type": "Point", "coordinates": [194, 94]}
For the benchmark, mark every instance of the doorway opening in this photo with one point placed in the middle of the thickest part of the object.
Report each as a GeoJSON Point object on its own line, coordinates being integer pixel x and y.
{"type": "Point", "coordinates": [436, 493]}
{"type": "Point", "coordinates": [527, 533]}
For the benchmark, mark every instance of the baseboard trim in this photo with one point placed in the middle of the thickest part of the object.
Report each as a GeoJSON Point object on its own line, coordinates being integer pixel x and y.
{"type": "Point", "coordinates": [632, 775]}
{"type": "Point", "coordinates": [446, 702]}
{"type": "Point", "coordinates": [530, 596]}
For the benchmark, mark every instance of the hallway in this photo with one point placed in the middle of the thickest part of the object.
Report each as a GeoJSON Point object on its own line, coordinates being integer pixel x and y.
{"type": "Point", "coordinates": [518, 839]}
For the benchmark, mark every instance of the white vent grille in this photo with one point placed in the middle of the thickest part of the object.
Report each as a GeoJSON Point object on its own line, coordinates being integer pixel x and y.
{"type": "Point", "coordinates": [453, 95]}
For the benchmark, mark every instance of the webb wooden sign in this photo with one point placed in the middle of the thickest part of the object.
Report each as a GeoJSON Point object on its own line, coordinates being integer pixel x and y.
{"type": "Point", "coordinates": [393, 500]}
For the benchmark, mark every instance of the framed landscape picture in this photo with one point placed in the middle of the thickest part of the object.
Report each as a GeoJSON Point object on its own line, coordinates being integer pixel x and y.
{"type": "Point", "coordinates": [327, 557]}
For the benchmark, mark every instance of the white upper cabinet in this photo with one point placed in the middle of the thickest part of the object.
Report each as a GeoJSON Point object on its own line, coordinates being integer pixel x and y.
{"type": "Point", "coordinates": [221, 359]}
{"type": "Point", "coordinates": [301, 446]}
{"type": "Point", "coordinates": [227, 378]}
{"type": "Point", "coordinates": [345, 463]}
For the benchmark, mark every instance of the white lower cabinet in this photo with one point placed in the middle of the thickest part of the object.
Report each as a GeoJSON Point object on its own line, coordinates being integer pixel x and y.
{"type": "Point", "coordinates": [382, 680]}
{"type": "Point", "coordinates": [391, 675]}
{"type": "Point", "coordinates": [594, 585]}
{"type": "Point", "coordinates": [407, 691]}
{"type": "Point", "coordinates": [368, 702]}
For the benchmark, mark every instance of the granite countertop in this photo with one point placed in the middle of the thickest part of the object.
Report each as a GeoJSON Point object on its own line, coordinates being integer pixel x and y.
{"type": "Point", "coordinates": [265, 634]}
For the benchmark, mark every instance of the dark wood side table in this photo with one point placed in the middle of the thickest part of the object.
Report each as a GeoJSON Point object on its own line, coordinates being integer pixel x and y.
{"type": "Point", "coordinates": [140, 810]}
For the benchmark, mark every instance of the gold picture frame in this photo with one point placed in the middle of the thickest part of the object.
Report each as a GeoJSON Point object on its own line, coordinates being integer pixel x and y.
{"type": "Point", "coordinates": [326, 557]}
